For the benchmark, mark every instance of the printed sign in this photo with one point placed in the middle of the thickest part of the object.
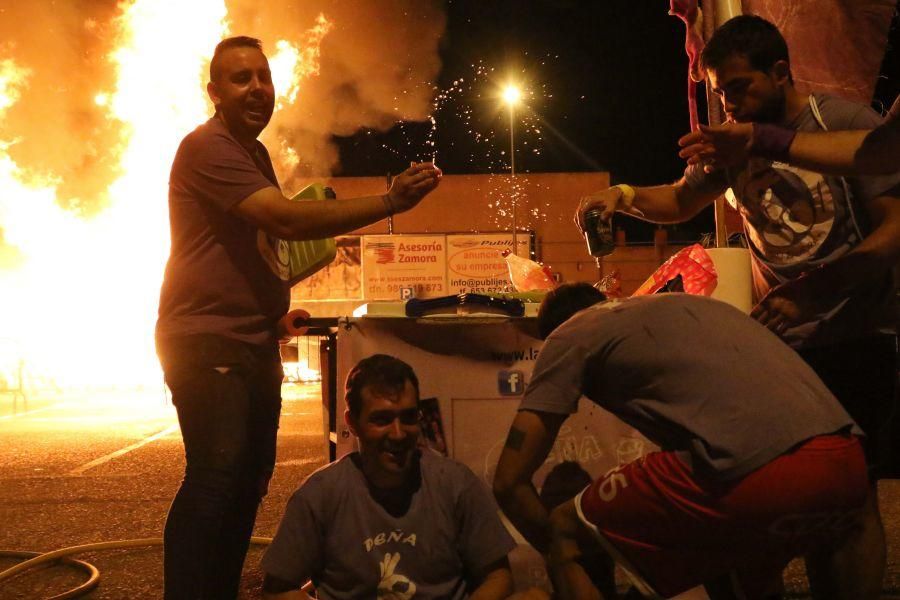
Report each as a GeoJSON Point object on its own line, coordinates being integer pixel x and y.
{"type": "Point", "coordinates": [394, 263]}
{"type": "Point", "coordinates": [337, 281]}
{"type": "Point", "coordinates": [475, 263]}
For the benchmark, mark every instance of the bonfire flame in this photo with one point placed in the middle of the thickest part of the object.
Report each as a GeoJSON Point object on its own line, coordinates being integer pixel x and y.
{"type": "Point", "coordinates": [79, 294]}
{"type": "Point", "coordinates": [11, 80]}
{"type": "Point", "coordinates": [292, 63]}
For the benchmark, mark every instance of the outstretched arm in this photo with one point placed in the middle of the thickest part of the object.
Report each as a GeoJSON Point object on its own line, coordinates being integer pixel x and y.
{"type": "Point", "coordinates": [871, 152]}
{"type": "Point", "coordinates": [670, 203]}
{"type": "Point", "coordinates": [529, 442]}
{"type": "Point", "coordinates": [269, 210]}
{"type": "Point", "coordinates": [850, 152]}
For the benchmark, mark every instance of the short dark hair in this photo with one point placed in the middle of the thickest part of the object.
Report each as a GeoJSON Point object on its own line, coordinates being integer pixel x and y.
{"type": "Point", "coordinates": [752, 37]}
{"type": "Point", "coordinates": [238, 41]}
{"type": "Point", "coordinates": [381, 371]}
{"type": "Point", "coordinates": [563, 482]}
{"type": "Point", "coordinates": [561, 303]}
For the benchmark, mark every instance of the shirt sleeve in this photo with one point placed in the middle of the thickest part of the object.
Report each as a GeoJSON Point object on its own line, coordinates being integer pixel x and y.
{"type": "Point", "coordinates": [296, 550]}
{"type": "Point", "coordinates": [483, 539]}
{"type": "Point", "coordinates": [216, 169]}
{"type": "Point", "coordinates": [558, 377]}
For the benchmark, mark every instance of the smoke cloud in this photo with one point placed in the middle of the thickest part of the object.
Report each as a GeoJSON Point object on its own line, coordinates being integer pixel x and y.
{"type": "Point", "coordinates": [377, 67]}
{"type": "Point", "coordinates": [57, 130]}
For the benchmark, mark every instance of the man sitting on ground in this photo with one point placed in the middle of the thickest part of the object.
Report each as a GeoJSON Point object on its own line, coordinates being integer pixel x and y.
{"type": "Point", "coordinates": [392, 520]}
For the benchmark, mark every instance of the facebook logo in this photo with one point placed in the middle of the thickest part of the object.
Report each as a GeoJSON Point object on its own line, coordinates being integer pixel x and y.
{"type": "Point", "coordinates": [510, 383]}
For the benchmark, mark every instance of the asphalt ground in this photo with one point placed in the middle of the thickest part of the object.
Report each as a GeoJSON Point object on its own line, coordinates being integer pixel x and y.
{"type": "Point", "coordinates": [87, 466]}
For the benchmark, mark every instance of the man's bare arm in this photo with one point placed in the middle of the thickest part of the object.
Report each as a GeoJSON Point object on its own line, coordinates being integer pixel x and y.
{"type": "Point", "coordinates": [670, 203]}
{"type": "Point", "coordinates": [570, 580]}
{"type": "Point", "coordinates": [872, 152]}
{"type": "Point", "coordinates": [875, 152]}
{"type": "Point", "coordinates": [269, 210]}
{"type": "Point", "coordinates": [529, 442]}
{"type": "Point", "coordinates": [869, 152]}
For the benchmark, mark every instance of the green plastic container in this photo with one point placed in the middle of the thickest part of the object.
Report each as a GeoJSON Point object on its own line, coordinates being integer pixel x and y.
{"type": "Point", "coordinates": [309, 256]}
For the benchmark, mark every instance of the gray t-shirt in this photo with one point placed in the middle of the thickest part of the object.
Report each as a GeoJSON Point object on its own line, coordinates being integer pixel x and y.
{"type": "Point", "coordinates": [223, 276]}
{"type": "Point", "coordinates": [796, 220]}
{"type": "Point", "coordinates": [335, 533]}
{"type": "Point", "coordinates": [691, 374]}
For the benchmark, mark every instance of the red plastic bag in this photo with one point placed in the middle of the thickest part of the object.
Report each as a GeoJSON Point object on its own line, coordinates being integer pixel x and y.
{"type": "Point", "coordinates": [695, 267]}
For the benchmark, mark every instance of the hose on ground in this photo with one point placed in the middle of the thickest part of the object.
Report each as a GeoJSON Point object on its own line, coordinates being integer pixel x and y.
{"type": "Point", "coordinates": [62, 556]}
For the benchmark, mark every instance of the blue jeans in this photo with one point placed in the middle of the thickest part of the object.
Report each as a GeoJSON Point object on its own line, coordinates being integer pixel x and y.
{"type": "Point", "coordinates": [228, 398]}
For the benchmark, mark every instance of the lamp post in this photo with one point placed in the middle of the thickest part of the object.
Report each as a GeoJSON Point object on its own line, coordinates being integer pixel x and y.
{"type": "Point", "coordinates": [512, 95]}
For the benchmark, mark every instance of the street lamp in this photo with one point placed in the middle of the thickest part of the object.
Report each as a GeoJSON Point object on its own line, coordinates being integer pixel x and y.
{"type": "Point", "coordinates": [512, 95]}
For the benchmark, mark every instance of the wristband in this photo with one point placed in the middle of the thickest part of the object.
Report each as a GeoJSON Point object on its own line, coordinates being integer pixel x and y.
{"type": "Point", "coordinates": [771, 141]}
{"type": "Point", "coordinates": [627, 192]}
{"type": "Point", "coordinates": [388, 205]}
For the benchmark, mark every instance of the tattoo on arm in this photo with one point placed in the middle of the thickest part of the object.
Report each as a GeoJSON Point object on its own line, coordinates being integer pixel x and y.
{"type": "Point", "coordinates": [515, 439]}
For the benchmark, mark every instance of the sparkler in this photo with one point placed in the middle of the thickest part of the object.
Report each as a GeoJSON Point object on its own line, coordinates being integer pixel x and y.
{"type": "Point", "coordinates": [455, 108]}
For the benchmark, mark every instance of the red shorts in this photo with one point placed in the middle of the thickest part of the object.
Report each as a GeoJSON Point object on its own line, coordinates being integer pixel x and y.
{"type": "Point", "coordinates": [674, 533]}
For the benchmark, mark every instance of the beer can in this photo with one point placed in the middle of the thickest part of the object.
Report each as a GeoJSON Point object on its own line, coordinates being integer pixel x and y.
{"type": "Point", "coordinates": [598, 234]}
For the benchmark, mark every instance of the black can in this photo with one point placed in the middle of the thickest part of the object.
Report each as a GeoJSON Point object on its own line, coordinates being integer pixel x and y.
{"type": "Point", "coordinates": [598, 233]}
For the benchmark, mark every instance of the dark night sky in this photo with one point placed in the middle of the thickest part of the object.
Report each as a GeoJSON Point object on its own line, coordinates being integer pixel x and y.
{"type": "Point", "coordinates": [609, 77]}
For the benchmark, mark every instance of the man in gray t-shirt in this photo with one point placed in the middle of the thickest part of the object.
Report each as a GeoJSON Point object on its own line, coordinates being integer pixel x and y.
{"type": "Point", "coordinates": [750, 437]}
{"type": "Point", "coordinates": [390, 520]}
{"type": "Point", "coordinates": [822, 249]}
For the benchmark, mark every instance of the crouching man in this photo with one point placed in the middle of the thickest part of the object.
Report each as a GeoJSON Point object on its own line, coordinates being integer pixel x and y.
{"type": "Point", "coordinates": [759, 462]}
{"type": "Point", "coordinates": [389, 521]}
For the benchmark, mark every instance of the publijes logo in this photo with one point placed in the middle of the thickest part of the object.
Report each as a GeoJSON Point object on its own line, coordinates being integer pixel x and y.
{"type": "Point", "coordinates": [510, 383]}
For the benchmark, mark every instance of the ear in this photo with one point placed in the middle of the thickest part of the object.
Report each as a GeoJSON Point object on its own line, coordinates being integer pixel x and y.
{"type": "Point", "coordinates": [213, 93]}
{"type": "Point", "coordinates": [781, 72]}
{"type": "Point", "coordinates": [351, 422]}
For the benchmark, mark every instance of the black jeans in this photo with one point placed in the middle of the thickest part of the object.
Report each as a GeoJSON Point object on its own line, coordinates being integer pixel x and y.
{"type": "Point", "coordinates": [862, 374]}
{"type": "Point", "coordinates": [228, 398]}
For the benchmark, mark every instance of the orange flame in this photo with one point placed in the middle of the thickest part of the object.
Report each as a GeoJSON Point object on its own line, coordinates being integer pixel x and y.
{"type": "Point", "coordinates": [80, 294]}
{"type": "Point", "coordinates": [11, 80]}
{"type": "Point", "coordinates": [293, 62]}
